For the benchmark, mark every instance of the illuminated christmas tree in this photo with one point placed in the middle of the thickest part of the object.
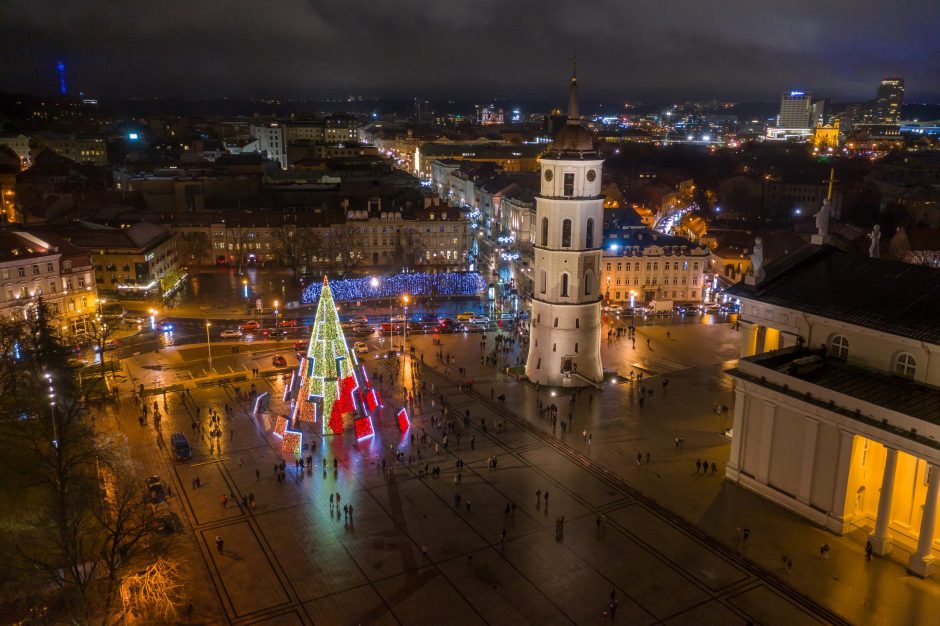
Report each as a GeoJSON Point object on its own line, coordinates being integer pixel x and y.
{"type": "Point", "coordinates": [328, 372]}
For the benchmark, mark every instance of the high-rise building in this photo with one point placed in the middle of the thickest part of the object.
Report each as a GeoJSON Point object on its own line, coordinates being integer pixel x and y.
{"type": "Point", "coordinates": [272, 140]}
{"type": "Point", "coordinates": [796, 110]}
{"type": "Point", "coordinates": [565, 336]}
{"type": "Point", "coordinates": [888, 100]}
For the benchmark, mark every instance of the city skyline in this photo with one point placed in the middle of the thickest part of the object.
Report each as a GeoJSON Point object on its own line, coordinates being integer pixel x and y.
{"type": "Point", "coordinates": [302, 50]}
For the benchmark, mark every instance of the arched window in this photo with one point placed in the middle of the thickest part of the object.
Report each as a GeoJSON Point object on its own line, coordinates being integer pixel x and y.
{"type": "Point", "coordinates": [905, 365]}
{"type": "Point", "coordinates": [588, 282]}
{"type": "Point", "coordinates": [544, 231]}
{"type": "Point", "coordinates": [839, 347]}
{"type": "Point", "coordinates": [543, 281]}
{"type": "Point", "coordinates": [566, 233]}
{"type": "Point", "coordinates": [589, 233]}
{"type": "Point", "coordinates": [577, 322]}
{"type": "Point", "coordinates": [564, 285]}
{"type": "Point", "coordinates": [575, 347]}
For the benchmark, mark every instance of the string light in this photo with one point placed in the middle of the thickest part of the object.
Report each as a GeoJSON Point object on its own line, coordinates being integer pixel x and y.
{"type": "Point", "coordinates": [443, 284]}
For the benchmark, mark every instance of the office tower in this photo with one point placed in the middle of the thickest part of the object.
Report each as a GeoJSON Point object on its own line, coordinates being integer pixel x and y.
{"type": "Point", "coordinates": [888, 100]}
{"type": "Point", "coordinates": [796, 110]}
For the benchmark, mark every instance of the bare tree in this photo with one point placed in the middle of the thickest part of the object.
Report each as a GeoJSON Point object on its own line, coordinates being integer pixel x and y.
{"type": "Point", "coordinates": [408, 248]}
{"type": "Point", "coordinates": [155, 593]}
{"type": "Point", "coordinates": [344, 246]}
{"type": "Point", "coordinates": [192, 247]}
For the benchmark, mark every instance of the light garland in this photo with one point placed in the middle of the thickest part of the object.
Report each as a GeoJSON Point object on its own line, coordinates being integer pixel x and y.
{"type": "Point", "coordinates": [293, 441]}
{"type": "Point", "coordinates": [403, 422]}
{"type": "Point", "coordinates": [418, 284]}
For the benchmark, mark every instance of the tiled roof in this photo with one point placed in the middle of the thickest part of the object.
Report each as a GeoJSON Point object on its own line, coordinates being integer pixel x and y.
{"type": "Point", "coordinates": [888, 296]}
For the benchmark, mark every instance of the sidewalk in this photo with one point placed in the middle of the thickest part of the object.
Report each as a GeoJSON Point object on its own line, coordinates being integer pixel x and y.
{"type": "Point", "coordinates": [620, 430]}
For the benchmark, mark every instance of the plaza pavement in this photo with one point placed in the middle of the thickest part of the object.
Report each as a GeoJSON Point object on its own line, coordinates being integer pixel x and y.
{"type": "Point", "coordinates": [665, 543]}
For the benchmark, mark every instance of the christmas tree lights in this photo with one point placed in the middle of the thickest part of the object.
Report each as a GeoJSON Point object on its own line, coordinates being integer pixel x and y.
{"type": "Point", "coordinates": [443, 284]}
{"type": "Point", "coordinates": [328, 381]}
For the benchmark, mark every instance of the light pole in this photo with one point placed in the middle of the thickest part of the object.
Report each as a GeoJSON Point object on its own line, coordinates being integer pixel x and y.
{"type": "Point", "coordinates": [55, 428]}
{"type": "Point", "coordinates": [153, 326]}
{"type": "Point", "coordinates": [209, 344]}
{"type": "Point", "coordinates": [404, 325]}
{"type": "Point", "coordinates": [275, 315]}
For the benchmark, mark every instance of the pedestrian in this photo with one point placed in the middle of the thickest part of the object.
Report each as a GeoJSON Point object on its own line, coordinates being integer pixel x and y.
{"type": "Point", "coordinates": [746, 533]}
{"type": "Point", "coordinates": [704, 467]}
{"type": "Point", "coordinates": [698, 465]}
{"type": "Point", "coordinates": [331, 501]}
{"type": "Point", "coordinates": [639, 458]}
{"type": "Point", "coordinates": [869, 549]}
{"type": "Point", "coordinates": [714, 467]}
{"type": "Point", "coordinates": [424, 553]}
{"type": "Point", "coordinates": [218, 544]}
{"type": "Point", "coordinates": [538, 497]}
{"type": "Point", "coordinates": [613, 609]}
{"type": "Point", "coordinates": [647, 458]}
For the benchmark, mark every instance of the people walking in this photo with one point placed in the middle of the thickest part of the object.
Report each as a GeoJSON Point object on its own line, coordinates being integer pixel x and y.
{"type": "Point", "coordinates": [219, 543]}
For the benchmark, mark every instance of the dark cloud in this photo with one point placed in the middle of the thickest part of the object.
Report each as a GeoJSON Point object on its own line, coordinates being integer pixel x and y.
{"type": "Point", "coordinates": [462, 48]}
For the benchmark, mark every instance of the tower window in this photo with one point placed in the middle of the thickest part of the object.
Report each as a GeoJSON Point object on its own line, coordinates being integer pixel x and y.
{"type": "Point", "coordinates": [569, 184]}
{"type": "Point", "coordinates": [554, 347]}
{"type": "Point", "coordinates": [589, 282]}
{"type": "Point", "coordinates": [575, 347]}
{"type": "Point", "coordinates": [544, 231]}
{"type": "Point", "coordinates": [555, 323]}
{"type": "Point", "coordinates": [577, 322]}
{"type": "Point", "coordinates": [566, 233]}
{"type": "Point", "coordinates": [538, 364]}
{"type": "Point", "coordinates": [543, 281]}
{"type": "Point", "coordinates": [589, 233]}
{"type": "Point", "coordinates": [564, 285]}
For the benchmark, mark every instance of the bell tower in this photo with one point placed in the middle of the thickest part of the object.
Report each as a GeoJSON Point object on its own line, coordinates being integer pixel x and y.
{"type": "Point", "coordinates": [565, 328]}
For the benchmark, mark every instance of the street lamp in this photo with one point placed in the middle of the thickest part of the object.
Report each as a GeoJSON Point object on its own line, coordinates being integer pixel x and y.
{"type": "Point", "coordinates": [209, 344]}
{"type": "Point", "coordinates": [275, 315]}
{"type": "Point", "coordinates": [55, 429]}
{"type": "Point", "coordinates": [404, 325]}
{"type": "Point", "coordinates": [153, 326]}
{"type": "Point", "coordinates": [245, 287]}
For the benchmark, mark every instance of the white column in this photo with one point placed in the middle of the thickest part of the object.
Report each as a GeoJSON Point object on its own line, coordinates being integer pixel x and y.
{"type": "Point", "coordinates": [836, 520]}
{"type": "Point", "coordinates": [748, 339]}
{"type": "Point", "coordinates": [762, 471]}
{"type": "Point", "coordinates": [739, 432]}
{"type": "Point", "coordinates": [880, 540]}
{"type": "Point", "coordinates": [809, 461]}
{"type": "Point", "coordinates": [921, 562]}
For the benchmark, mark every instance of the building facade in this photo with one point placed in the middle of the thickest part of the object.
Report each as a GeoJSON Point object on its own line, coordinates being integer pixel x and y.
{"type": "Point", "coordinates": [837, 396]}
{"type": "Point", "coordinates": [565, 331]}
{"type": "Point", "coordinates": [272, 140]}
{"type": "Point", "coordinates": [36, 266]}
{"type": "Point", "coordinates": [645, 266]}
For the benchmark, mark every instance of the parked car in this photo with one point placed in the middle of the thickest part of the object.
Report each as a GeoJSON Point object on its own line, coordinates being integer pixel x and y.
{"type": "Point", "coordinates": [133, 320]}
{"type": "Point", "coordinates": [156, 492]}
{"type": "Point", "coordinates": [479, 320]}
{"type": "Point", "coordinates": [360, 347]}
{"type": "Point", "coordinates": [231, 333]}
{"type": "Point", "coordinates": [286, 323]}
{"type": "Point", "coordinates": [360, 319]}
{"type": "Point", "coordinates": [466, 316]}
{"type": "Point", "coordinates": [250, 325]}
{"type": "Point", "coordinates": [300, 346]}
{"type": "Point", "coordinates": [279, 361]}
{"type": "Point", "coordinates": [615, 309]}
{"type": "Point", "coordinates": [180, 445]}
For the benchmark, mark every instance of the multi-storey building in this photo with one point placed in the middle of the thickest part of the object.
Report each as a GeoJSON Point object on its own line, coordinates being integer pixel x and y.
{"type": "Point", "coordinates": [135, 262]}
{"type": "Point", "coordinates": [837, 395]}
{"type": "Point", "coordinates": [644, 265]}
{"type": "Point", "coordinates": [34, 266]}
{"type": "Point", "coordinates": [272, 140]}
{"type": "Point", "coordinates": [886, 108]}
{"type": "Point", "coordinates": [78, 148]}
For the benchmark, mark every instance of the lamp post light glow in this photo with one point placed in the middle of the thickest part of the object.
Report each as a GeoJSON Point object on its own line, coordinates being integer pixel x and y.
{"type": "Point", "coordinates": [209, 344]}
{"type": "Point", "coordinates": [245, 286]}
{"type": "Point", "coordinates": [404, 325]}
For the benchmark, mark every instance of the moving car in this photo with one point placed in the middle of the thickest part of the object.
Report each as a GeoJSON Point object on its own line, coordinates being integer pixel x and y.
{"type": "Point", "coordinates": [466, 316]}
{"type": "Point", "coordinates": [279, 361]}
{"type": "Point", "coordinates": [360, 319]}
{"type": "Point", "coordinates": [479, 320]}
{"type": "Point", "coordinates": [615, 309]}
{"type": "Point", "coordinates": [231, 334]}
{"type": "Point", "coordinates": [111, 345]}
{"type": "Point", "coordinates": [286, 323]}
{"type": "Point", "coordinates": [360, 347]}
{"type": "Point", "coordinates": [250, 325]}
{"type": "Point", "coordinates": [398, 318]}
{"type": "Point", "coordinates": [133, 319]}
{"type": "Point", "coordinates": [164, 326]}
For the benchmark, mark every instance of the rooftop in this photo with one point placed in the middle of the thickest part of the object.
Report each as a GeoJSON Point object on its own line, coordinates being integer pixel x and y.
{"type": "Point", "coordinates": [888, 296]}
{"type": "Point", "coordinates": [893, 393]}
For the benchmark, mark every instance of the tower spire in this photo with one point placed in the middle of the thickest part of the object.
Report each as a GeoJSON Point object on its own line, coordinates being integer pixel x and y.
{"type": "Point", "coordinates": [574, 113]}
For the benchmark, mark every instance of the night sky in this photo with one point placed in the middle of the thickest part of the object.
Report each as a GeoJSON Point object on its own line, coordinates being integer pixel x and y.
{"type": "Point", "coordinates": [627, 49]}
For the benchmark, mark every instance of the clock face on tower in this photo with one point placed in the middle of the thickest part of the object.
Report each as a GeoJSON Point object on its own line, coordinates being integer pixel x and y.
{"type": "Point", "coordinates": [591, 175]}
{"type": "Point", "coordinates": [548, 175]}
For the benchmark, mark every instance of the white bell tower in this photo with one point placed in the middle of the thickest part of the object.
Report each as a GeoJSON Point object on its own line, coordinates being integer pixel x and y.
{"type": "Point", "coordinates": [565, 329]}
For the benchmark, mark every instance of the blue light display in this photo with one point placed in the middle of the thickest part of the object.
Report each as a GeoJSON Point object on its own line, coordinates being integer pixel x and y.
{"type": "Point", "coordinates": [444, 284]}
